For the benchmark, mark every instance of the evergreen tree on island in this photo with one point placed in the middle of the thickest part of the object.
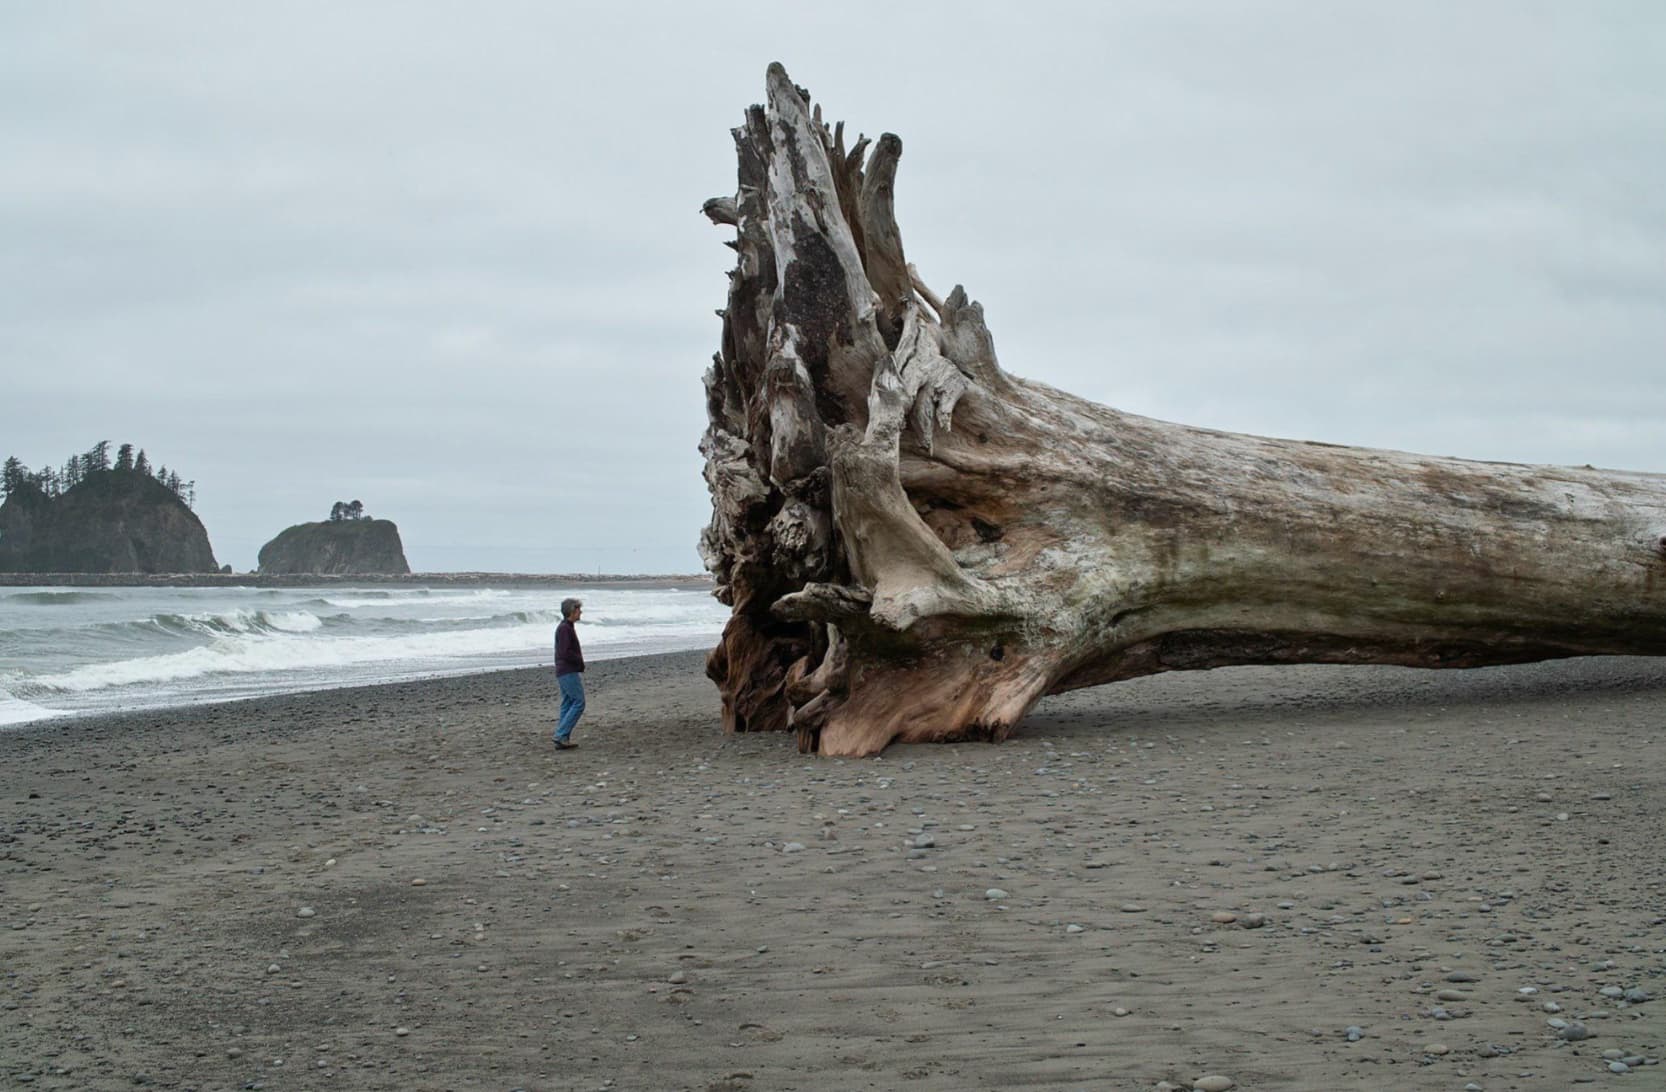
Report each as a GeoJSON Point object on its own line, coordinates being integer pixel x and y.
{"type": "Point", "coordinates": [52, 483]}
{"type": "Point", "coordinates": [98, 514]}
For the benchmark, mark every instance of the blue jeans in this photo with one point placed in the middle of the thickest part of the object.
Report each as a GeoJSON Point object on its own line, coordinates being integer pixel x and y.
{"type": "Point", "coordinates": [572, 704]}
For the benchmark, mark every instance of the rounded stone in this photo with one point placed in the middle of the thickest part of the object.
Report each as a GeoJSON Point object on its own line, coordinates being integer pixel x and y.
{"type": "Point", "coordinates": [1213, 1082]}
{"type": "Point", "coordinates": [994, 894]}
{"type": "Point", "coordinates": [1437, 1049]}
{"type": "Point", "coordinates": [305, 912]}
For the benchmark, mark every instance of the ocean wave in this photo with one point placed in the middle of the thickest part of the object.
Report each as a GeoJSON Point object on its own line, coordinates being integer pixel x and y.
{"type": "Point", "coordinates": [607, 615]}
{"type": "Point", "coordinates": [169, 647]}
{"type": "Point", "coordinates": [57, 598]}
{"type": "Point", "coordinates": [234, 622]}
{"type": "Point", "coordinates": [514, 617]}
{"type": "Point", "coordinates": [194, 627]}
{"type": "Point", "coordinates": [357, 599]}
{"type": "Point", "coordinates": [253, 653]}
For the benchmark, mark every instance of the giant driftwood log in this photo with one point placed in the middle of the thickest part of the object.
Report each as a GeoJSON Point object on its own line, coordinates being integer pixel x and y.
{"type": "Point", "coordinates": [918, 545]}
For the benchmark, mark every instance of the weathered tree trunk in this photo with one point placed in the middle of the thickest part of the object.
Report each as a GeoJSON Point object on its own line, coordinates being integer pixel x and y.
{"type": "Point", "coordinates": [917, 545]}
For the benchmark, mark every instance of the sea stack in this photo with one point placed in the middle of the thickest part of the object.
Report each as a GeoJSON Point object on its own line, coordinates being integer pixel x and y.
{"type": "Point", "coordinates": [110, 521]}
{"type": "Point", "coordinates": [348, 543]}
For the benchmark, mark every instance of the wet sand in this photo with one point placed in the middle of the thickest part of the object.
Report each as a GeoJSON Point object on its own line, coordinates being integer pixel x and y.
{"type": "Point", "coordinates": [405, 887]}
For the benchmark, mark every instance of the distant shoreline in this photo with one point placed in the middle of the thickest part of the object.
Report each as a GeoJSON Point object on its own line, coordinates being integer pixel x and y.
{"type": "Point", "coordinates": [324, 580]}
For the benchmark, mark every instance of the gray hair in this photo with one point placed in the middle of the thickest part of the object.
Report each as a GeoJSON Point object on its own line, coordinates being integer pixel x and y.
{"type": "Point", "coordinates": [568, 606]}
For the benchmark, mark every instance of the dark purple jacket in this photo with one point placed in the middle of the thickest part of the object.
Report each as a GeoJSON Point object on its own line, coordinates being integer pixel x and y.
{"type": "Point", "coordinates": [569, 658]}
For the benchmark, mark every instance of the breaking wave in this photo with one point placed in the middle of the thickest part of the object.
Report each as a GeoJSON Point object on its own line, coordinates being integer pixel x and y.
{"type": "Point", "coordinates": [148, 648]}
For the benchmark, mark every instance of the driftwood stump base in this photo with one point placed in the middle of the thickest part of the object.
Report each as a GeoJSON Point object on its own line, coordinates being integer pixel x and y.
{"type": "Point", "coordinates": [917, 545]}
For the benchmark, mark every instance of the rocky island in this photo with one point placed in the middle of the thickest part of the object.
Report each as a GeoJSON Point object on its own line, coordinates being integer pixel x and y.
{"type": "Point", "coordinates": [349, 542]}
{"type": "Point", "coordinates": [95, 517]}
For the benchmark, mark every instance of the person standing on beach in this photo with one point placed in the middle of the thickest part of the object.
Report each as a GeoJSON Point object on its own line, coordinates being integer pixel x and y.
{"type": "Point", "coordinates": [569, 673]}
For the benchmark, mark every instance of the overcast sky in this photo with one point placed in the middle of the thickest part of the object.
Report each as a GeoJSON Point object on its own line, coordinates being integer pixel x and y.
{"type": "Point", "coordinates": [447, 259]}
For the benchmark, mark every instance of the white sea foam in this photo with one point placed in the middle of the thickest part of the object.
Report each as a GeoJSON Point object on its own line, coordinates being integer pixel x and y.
{"type": "Point", "coordinates": [256, 653]}
{"type": "Point", "coordinates": [148, 648]}
{"type": "Point", "coordinates": [292, 621]}
{"type": "Point", "coordinates": [17, 711]}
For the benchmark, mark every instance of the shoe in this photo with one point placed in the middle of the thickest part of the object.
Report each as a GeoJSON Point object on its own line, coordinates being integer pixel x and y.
{"type": "Point", "coordinates": [563, 745]}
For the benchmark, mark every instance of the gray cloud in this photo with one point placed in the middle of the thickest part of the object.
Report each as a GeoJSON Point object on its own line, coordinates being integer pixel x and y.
{"type": "Point", "coordinates": [445, 258]}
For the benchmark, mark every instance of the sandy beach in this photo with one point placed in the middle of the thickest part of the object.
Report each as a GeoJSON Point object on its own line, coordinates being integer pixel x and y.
{"type": "Point", "coordinates": [1294, 878]}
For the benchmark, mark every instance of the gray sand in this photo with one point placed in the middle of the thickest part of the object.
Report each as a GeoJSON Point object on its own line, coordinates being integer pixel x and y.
{"type": "Point", "coordinates": [404, 887]}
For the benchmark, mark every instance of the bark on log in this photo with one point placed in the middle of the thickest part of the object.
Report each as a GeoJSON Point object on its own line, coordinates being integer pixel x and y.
{"type": "Point", "coordinates": [917, 545]}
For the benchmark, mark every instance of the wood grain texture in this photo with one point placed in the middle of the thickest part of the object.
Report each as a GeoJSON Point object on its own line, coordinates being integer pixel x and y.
{"type": "Point", "coordinates": [918, 545]}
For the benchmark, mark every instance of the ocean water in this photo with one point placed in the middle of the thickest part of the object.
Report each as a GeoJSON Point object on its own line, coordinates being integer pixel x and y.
{"type": "Point", "coordinates": [68, 652]}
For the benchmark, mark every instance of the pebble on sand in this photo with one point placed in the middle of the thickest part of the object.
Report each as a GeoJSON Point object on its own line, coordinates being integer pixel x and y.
{"type": "Point", "coordinates": [419, 882]}
{"type": "Point", "coordinates": [994, 894]}
{"type": "Point", "coordinates": [1437, 1049]}
{"type": "Point", "coordinates": [1214, 1082]}
{"type": "Point", "coordinates": [305, 912]}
